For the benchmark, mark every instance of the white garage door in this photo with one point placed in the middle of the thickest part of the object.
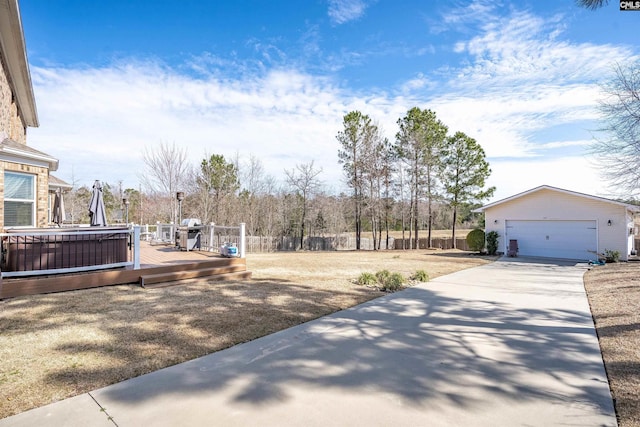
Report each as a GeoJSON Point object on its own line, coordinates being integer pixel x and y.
{"type": "Point", "coordinates": [554, 239]}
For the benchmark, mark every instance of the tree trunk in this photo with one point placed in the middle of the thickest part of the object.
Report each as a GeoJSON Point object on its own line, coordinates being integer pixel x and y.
{"type": "Point", "coordinates": [455, 218]}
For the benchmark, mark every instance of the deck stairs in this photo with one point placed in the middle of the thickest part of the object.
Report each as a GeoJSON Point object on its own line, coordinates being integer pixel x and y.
{"type": "Point", "coordinates": [214, 269]}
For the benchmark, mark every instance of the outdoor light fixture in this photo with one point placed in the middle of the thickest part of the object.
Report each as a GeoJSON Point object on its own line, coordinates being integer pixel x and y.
{"type": "Point", "coordinates": [609, 223]}
{"type": "Point", "coordinates": [125, 201]}
{"type": "Point", "coordinates": [180, 197]}
{"type": "Point", "coordinates": [495, 221]}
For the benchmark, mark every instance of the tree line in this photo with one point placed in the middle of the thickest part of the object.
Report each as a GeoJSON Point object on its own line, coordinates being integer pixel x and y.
{"type": "Point", "coordinates": [425, 179]}
{"type": "Point", "coordinates": [424, 167]}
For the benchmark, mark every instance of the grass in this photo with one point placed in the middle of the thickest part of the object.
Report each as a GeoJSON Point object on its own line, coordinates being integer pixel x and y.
{"type": "Point", "coordinates": [60, 345]}
{"type": "Point", "coordinates": [614, 296]}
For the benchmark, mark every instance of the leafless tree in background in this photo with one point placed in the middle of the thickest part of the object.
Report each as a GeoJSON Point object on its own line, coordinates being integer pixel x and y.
{"type": "Point", "coordinates": [165, 172]}
{"type": "Point", "coordinates": [304, 180]}
{"type": "Point", "coordinates": [618, 150]}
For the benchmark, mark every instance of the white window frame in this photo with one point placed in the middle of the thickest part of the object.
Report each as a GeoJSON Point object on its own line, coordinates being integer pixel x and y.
{"type": "Point", "coordinates": [32, 201]}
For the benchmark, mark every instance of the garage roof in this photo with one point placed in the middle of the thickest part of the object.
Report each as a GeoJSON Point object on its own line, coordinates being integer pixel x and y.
{"type": "Point", "coordinates": [630, 207]}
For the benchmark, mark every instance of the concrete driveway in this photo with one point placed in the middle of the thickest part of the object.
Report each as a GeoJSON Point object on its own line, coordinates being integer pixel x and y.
{"type": "Point", "coordinates": [509, 343]}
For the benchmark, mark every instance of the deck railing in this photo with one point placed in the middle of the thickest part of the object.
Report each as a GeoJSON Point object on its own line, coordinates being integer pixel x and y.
{"type": "Point", "coordinates": [68, 250]}
{"type": "Point", "coordinates": [206, 237]}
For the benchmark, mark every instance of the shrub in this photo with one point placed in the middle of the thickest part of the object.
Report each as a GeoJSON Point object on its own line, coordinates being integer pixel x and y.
{"type": "Point", "coordinates": [393, 282]}
{"type": "Point", "coordinates": [611, 256]}
{"type": "Point", "coordinates": [492, 242]}
{"type": "Point", "coordinates": [420, 276]}
{"type": "Point", "coordinates": [382, 276]}
{"type": "Point", "coordinates": [475, 240]}
{"type": "Point", "coordinates": [367, 279]}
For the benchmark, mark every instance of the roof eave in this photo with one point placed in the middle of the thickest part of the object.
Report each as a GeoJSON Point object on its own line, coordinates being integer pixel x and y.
{"type": "Point", "coordinates": [14, 50]}
{"type": "Point", "coordinates": [481, 209]}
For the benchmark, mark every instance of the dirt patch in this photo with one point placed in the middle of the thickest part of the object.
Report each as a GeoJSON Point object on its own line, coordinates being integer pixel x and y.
{"type": "Point", "coordinates": [614, 296]}
{"type": "Point", "coordinates": [60, 345]}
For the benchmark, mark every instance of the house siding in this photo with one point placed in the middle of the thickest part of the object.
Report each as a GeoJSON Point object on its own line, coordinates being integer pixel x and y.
{"type": "Point", "coordinates": [552, 205]}
{"type": "Point", "coordinates": [11, 123]}
{"type": "Point", "coordinates": [42, 189]}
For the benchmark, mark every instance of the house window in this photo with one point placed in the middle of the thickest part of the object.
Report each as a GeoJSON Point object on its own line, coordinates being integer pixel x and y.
{"type": "Point", "coordinates": [19, 199]}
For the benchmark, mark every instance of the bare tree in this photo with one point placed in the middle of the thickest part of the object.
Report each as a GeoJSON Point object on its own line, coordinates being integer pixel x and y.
{"type": "Point", "coordinates": [304, 179]}
{"type": "Point", "coordinates": [618, 150]}
{"type": "Point", "coordinates": [165, 172]}
{"type": "Point", "coordinates": [592, 4]}
{"type": "Point", "coordinates": [253, 183]}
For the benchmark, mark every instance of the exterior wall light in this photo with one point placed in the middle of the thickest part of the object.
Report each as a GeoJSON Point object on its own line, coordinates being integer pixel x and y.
{"type": "Point", "coordinates": [609, 223]}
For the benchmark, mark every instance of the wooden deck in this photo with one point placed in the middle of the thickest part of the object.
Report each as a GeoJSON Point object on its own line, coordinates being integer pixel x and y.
{"type": "Point", "coordinates": [158, 264]}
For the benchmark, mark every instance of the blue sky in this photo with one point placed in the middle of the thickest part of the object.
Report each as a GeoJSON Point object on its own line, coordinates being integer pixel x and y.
{"type": "Point", "coordinates": [274, 79]}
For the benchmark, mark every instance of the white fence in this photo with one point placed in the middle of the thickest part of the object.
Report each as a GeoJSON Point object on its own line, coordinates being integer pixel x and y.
{"type": "Point", "coordinates": [202, 237]}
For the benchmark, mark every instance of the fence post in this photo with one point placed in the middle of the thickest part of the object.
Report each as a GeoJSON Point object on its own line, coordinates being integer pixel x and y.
{"type": "Point", "coordinates": [212, 227]}
{"type": "Point", "coordinates": [136, 247]}
{"type": "Point", "coordinates": [242, 243]}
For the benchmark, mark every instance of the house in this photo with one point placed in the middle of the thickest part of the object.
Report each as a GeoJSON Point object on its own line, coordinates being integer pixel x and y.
{"type": "Point", "coordinates": [556, 223]}
{"type": "Point", "coordinates": [25, 189]}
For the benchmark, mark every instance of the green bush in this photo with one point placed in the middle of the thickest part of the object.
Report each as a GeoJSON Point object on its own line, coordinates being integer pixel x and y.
{"type": "Point", "coordinates": [382, 276]}
{"type": "Point", "coordinates": [492, 242]}
{"type": "Point", "coordinates": [393, 282]}
{"type": "Point", "coordinates": [475, 240]}
{"type": "Point", "coordinates": [611, 256]}
{"type": "Point", "coordinates": [420, 276]}
{"type": "Point", "coordinates": [384, 279]}
{"type": "Point", "coordinates": [367, 279]}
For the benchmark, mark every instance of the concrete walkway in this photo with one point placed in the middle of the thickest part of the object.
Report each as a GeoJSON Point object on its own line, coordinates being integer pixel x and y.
{"type": "Point", "coordinates": [509, 343]}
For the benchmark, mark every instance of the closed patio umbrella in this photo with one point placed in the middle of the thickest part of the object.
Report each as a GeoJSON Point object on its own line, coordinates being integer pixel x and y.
{"type": "Point", "coordinates": [97, 215]}
{"type": "Point", "coordinates": [59, 215]}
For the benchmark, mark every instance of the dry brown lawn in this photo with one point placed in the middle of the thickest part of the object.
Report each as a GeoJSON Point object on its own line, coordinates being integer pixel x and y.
{"type": "Point", "coordinates": [60, 345]}
{"type": "Point", "coordinates": [614, 296]}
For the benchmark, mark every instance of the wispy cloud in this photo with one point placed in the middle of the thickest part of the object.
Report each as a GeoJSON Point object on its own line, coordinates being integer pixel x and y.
{"type": "Point", "coordinates": [120, 110]}
{"type": "Point", "coordinates": [343, 11]}
{"type": "Point", "coordinates": [521, 77]}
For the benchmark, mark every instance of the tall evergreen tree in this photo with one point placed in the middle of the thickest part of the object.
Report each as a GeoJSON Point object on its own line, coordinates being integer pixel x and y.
{"type": "Point", "coordinates": [465, 173]}
{"type": "Point", "coordinates": [355, 140]}
{"type": "Point", "coordinates": [216, 180]}
{"type": "Point", "coordinates": [419, 144]}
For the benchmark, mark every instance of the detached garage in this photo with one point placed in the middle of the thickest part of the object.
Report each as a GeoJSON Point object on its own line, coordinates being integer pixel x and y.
{"type": "Point", "coordinates": [555, 223]}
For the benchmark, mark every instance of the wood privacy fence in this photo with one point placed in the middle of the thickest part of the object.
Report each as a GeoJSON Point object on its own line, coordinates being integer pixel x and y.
{"type": "Point", "coordinates": [341, 242]}
{"type": "Point", "coordinates": [440, 243]}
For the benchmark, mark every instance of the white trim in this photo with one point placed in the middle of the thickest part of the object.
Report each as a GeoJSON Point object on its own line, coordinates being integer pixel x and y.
{"type": "Point", "coordinates": [27, 160]}
{"type": "Point", "coordinates": [34, 201]}
{"type": "Point", "coordinates": [632, 208]}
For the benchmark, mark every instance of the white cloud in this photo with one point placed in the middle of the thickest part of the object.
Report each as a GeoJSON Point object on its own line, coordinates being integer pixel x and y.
{"type": "Point", "coordinates": [98, 121]}
{"type": "Point", "coordinates": [520, 79]}
{"type": "Point", "coordinates": [571, 173]}
{"type": "Point", "coordinates": [343, 11]}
